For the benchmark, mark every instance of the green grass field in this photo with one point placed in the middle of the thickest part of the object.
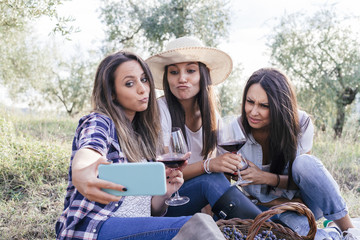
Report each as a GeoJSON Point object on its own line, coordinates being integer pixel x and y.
{"type": "Point", "coordinates": [34, 157]}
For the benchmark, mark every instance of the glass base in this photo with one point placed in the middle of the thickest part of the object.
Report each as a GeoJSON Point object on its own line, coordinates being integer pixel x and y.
{"type": "Point", "coordinates": [177, 201]}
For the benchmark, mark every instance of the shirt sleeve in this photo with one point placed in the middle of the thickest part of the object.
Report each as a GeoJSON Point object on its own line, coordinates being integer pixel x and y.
{"type": "Point", "coordinates": [307, 133]}
{"type": "Point", "coordinates": [93, 133]}
{"type": "Point", "coordinates": [165, 120]}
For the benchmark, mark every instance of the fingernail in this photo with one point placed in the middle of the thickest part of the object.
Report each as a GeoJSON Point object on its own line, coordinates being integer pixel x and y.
{"type": "Point", "coordinates": [124, 189]}
{"type": "Point", "coordinates": [167, 177]}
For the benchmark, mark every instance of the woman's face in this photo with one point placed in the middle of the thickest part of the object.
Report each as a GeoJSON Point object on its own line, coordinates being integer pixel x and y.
{"type": "Point", "coordinates": [132, 88]}
{"type": "Point", "coordinates": [257, 107]}
{"type": "Point", "coordinates": [184, 80]}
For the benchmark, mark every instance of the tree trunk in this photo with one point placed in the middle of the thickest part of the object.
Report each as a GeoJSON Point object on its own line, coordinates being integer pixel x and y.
{"type": "Point", "coordinates": [340, 118]}
{"type": "Point", "coordinates": [345, 98]}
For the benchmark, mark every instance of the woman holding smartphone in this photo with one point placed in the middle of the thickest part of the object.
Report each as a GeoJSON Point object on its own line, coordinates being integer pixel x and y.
{"type": "Point", "coordinates": [122, 127]}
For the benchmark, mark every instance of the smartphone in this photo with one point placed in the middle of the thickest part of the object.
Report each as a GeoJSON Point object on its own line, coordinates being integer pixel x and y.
{"type": "Point", "coordinates": [145, 178]}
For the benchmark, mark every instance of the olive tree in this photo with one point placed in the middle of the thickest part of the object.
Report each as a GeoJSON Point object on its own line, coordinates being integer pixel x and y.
{"type": "Point", "coordinates": [70, 85]}
{"type": "Point", "coordinates": [33, 72]}
{"type": "Point", "coordinates": [20, 58]}
{"type": "Point", "coordinates": [147, 25]}
{"type": "Point", "coordinates": [322, 55]}
{"type": "Point", "coordinates": [230, 93]}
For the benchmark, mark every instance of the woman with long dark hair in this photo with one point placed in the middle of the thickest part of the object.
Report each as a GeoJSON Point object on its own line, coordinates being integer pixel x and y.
{"type": "Point", "coordinates": [280, 138]}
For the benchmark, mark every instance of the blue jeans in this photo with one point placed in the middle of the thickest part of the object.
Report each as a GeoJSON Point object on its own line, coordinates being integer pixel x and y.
{"type": "Point", "coordinates": [320, 193]}
{"type": "Point", "coordinates": [145, 228]}
{"type": "Point", "coordinates": [202, 190]}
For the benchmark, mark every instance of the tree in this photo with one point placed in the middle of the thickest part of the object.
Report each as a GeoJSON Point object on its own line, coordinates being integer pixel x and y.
{"type": "Point", "coordinates": [230, 93]}
{"type": "Point", "coordinates": [21, 59]}
{"type": "Point", "coordinates": [322, 55]}
{"type": "Point", "coordinates": [147, 25]}
{"type": "Point", "coordinates": [71, 84]}
{"type": "Point", "coordinates": [15, 14]}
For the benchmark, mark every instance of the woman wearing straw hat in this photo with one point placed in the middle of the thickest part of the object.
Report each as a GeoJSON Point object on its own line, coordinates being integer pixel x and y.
{"type": "Point", "coordinates": [187, 71]}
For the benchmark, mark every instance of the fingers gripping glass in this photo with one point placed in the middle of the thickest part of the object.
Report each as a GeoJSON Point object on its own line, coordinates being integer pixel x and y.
{"type": "Point", "coordinates": [173, 156]}
{"type": "Point", "coordinates": [231, 138]}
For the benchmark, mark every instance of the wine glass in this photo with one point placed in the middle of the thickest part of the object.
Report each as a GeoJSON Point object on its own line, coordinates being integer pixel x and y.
{"type": "Point", "coordinates": [231, 138]}
{"type": "Point", "coordinates": [174, 157]}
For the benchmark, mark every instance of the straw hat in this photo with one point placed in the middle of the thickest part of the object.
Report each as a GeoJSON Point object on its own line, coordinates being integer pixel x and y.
{"type": "Point", "coordinates": [190, 49]}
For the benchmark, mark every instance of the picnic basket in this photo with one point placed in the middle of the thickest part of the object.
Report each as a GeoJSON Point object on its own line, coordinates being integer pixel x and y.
{"type": "Point", "coordinates": [251, 227]}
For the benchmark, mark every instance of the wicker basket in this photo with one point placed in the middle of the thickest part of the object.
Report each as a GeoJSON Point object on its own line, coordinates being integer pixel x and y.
{"type": "Point", "coordinates": [252, 227]}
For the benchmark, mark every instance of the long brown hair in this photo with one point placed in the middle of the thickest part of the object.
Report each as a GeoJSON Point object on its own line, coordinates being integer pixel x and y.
{"type": "Point", "coordinates": [284, 121]}
{"type": "Point", "coordinates": [138, 139]}
{"type": "Point", "coordinates": [206, 101]}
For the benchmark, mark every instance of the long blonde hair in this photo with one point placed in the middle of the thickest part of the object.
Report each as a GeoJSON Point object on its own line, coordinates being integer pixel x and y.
{"type": "Point", "coordinates": [140, 138]}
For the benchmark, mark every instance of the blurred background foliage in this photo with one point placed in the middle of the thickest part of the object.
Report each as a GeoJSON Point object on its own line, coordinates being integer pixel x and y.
{"type": "Point", "coordinates": [320, 53]}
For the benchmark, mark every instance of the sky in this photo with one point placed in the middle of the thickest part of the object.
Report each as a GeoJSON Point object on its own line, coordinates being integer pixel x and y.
{"type": "Point", "coordinates": [251, 21]}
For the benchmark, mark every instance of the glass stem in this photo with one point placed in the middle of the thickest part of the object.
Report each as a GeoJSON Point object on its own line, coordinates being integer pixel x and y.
{"type": "Point", "coordinates": [176, 194]}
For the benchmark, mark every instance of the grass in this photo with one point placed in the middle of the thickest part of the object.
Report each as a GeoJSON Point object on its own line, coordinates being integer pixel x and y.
{"type": "Point", "coordinates": [342, 158]}
{"type": "Point", "coordinates": [34, 158]}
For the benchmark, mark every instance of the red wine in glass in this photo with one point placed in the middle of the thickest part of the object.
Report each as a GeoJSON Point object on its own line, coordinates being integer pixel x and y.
{"type": "Point", "coordinates": [233, 147]}
{"type": "Point", "coordinates": [172, 162]}
{"type": "Point", "coordinates": [231, 138]}
{"type": "Point", "coordinates": [173, 156]}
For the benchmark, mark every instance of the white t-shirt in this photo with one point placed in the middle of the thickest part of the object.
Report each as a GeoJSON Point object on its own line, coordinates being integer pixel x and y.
{"type": "Point", "coordinates": [194, 139]}
{"type": "Point", "coordinates": [134, 206]}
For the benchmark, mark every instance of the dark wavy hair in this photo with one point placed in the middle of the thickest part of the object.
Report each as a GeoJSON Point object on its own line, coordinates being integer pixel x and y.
{"type": "Point", "coordinates": [284, 121]}
{"type": "Point", "coordinates": [206, 100]}
{"type": "Point", "coordinates": [138, 139]}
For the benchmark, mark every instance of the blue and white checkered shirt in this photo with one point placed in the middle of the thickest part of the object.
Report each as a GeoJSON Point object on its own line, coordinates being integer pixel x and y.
{"type": "Point", "coordinates": [81, 218]}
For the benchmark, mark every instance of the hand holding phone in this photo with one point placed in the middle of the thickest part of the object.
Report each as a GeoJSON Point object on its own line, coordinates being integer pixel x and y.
{"type": "Point", "coordinates": [145, 178]}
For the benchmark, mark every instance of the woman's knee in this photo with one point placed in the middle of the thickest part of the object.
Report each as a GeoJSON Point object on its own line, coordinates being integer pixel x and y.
{"type": "Point", "coordinates": [305, 164]}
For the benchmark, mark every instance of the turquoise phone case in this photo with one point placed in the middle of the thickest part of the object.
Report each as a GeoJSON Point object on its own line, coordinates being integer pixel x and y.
{"type": "Point", "coordinates": [146, 178]}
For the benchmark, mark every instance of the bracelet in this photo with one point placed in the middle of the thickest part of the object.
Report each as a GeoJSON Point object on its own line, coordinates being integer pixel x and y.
{"type": "Point", "coordinates": [278, 181]}
{"type": "Point", "coordinates": [207, 166]}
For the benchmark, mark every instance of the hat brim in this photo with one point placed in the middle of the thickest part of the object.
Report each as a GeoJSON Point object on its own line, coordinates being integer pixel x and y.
{"type": "Point", "coordinates": [218, 62]}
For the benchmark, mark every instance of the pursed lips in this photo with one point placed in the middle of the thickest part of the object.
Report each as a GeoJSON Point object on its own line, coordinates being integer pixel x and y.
{"type": "Point", "coordinates": [144, 100]}
{"type": "Point", "coordinates": [254, 120]}
{"type": "Point", "coordinates": [182, 87]}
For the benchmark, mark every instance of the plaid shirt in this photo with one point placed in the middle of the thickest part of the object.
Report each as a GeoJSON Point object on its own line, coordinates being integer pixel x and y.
{"type": "Point", "coordinates": [81, 218]}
